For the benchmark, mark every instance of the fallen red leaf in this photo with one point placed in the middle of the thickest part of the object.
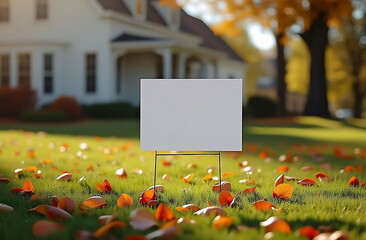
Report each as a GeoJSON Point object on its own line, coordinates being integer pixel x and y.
{"type": "Point", "coordinates": [279, 180]}
{"type": "Point", "coordinates": [105, 187]}
{"type": "Point", "coordinates": [306, 182]}
{"type": "Point", "coordinates": [53, 213]}
{"type": "Point", "coordinates": [26, 189]}
{"type": "Point", "coordinates": [354, 182]}
{"type": "Point", "coordinates": [250, 190]}
{"type": "Point", "coordinates": [65, 177]}
{"type": "Point", "coordinates": [307, 168]}
{"type": "Point", "coordinates": [224, 186]}
{"type": "Point", "coordinates": [309, 232]}
{"type": "Point", "coordinates": [121, 173]}
{"type": "Point", "coordinates": [66, 204]}
{"type": "Point", "coordinates": [148, 198]}
{"type": "Point", "coordinates": [188, 207]}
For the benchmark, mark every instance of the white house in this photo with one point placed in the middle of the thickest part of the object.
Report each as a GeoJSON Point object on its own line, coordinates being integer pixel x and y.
{"type": "Point", "coordinates": [97, 50]}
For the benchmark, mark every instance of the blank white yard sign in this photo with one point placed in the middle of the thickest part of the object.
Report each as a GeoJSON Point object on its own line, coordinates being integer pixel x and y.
{"type": "Point", "coordinates": [191, 114]}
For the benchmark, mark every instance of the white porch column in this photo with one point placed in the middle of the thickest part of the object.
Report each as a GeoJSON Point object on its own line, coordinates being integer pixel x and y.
{"type": "Point", "coordinates": [13, 69]}
{"type": "Point", "coordinates": [182, 57]}
{"type": "Point", "coordinates": [167, 62]}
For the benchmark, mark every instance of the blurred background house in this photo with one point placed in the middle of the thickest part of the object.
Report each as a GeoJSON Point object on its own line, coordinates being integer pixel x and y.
{"type": "Point", "coordinates": [98, 50]}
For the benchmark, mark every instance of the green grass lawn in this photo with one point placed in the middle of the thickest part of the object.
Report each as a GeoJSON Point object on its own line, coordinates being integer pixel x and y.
{"type": "Point", "coordinates": [333, 203]}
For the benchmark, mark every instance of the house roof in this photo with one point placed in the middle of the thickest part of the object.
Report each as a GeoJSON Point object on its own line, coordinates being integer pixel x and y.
{"type": "Point", "coordinates": [125, 37]}
{"type": "Point", "coordinates": [188, 24]}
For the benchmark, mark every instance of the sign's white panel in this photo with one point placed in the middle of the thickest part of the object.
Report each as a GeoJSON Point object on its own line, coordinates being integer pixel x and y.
{"type": "Point", "coordinates": [191, 114]}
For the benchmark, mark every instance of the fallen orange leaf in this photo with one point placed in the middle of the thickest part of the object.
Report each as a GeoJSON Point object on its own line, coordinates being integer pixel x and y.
{"type": "Point", "coordinates": [222, 221]}
{"type": "Point", "coordinates": [283, 191]}
{"type": "Point", "coordinates": [188, 207]}
{"type": "Point", "coordinates": [142, 219]}
{"type": "Point", "coordinates": [148, 198]}
{"type": "Point", "coordinates": [124, 200]}
{"type": "Point", "coordinates": [250, 190]}
{"type": "Point", "coordinates": [307, 168]}
{"type": "Point", "coordinates": [106, 228]}
{"type": "Point", "coordinates": [66, 204]}
{"type": "Point", "coordinates": [34, 197]}
{"type": "Point", "coordinates": [5, 180]}
{"type": "Point", "coordinates": [282, 169]}
{"type": "Point", "coordinates": [211, 210]}
{"type": "Point", "coordinates": [163, 213]}
{"type": "Point", "coordinates": [136, 237]}
{"type": "Point", "coordinates": [26, 189]}
{"type": "Point", "coordinates": [53, 213]}
{"type": "Point", "coordinates": [42, 228]}
{"type": "Point", "coordinates": [95, 202]}
{"type": "Point", "coordinates": [227, 175]}
{"type": "Point", "coordinates": [32, 169]}
{"type": "Point", "coordinates": [158, 188]}
{"type": "Point", "coordinates": [207, 178]}
{"type": "Point", "coordinates": [354, 182]}
{"type": "Point", "coordinates": [167, 231]}
{"type": "Point", "coordinates": [263, 205]}
{"type": "Point", "coordinates": [276, 224]}
{"type": "Point", "coordinates": [105, 187]}
{"type": "Point", "coordinates": [306, 182]}
{"type": "Point", "coordinates": [188, 178]}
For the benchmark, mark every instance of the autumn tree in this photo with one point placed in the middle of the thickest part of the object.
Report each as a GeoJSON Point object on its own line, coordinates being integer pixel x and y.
{"type": "Point", "coordinates": [308, 18]}
{"type": "Point", "coordinates": [354, 33]}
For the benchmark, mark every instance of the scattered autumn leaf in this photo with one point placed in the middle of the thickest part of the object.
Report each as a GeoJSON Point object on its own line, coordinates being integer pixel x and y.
{"type": "Point", "coordinates": [276, 224]}
{"type": "Point", "coordinates": [121, 173]}
{"type": "Point", "coordinates": [108, 227]}
{"type": "Point", "coordinates": [250, 190]}
{"type": "Point", "coordinates": [65, 177]}
{"type": "Point", "coordinates": [95, 202]}
{"type": "Point", "coordinates": [26, 189]}
{"type": "Point", "coordinates": [42, 228]}
{"type": "Point", "coordinates": [165, 232]}
{"type": "Point", "coordinates": [263, 205]}
{"type": "Point", "coordinates": [142, 219]}
{"type": "Point", "coordinates": [34, 197]}
{"type": "Point", "coordinates": [5, 180]}
{"type": "Point", "coordinates": [188, 178]}
{"type": "Point", "coordinates": [224, 186]}
{"type": "Point", "coordinates": [105, 187]}
{"type": "Point", "coordinates": [307, 169]}
{"type": "Point", "coordinates": [66, 204]}
{"type": "Point", "coordinates": [306, 182]}
{"type": "Point", "coordinates": [211, 210]}
{"type": "Point", "coordinates": [188, 207]}
{"type": "Point", "coordinates": [148, 198]}
{"type": "Point", "coordinates": [282, 169]}
{"type": "Point", "coordinates": [279, 180]}
{"type": "Point", "coordinates": [227, 175]}
{"type": "Point", "coordinates": [207, 178]}
{"type": "Point", "coordinates": [222, 221]}
{"type": "Point", "coordinates": [283, 191]}
{"type": "Point", "coordinates": [354, 182]}
{"type": "Point", "coordinates": [53, 213]}
{"type": "Point", "coordinates": [163, 213]}
{"type": "Point", "coordinates": [309, 232]}
{"type": "Point", "coordinates": [5, 208]}
{"type": "Point", "coordinates": [158, 188]}
{"type": "Point", "coordinates": [124, 200]}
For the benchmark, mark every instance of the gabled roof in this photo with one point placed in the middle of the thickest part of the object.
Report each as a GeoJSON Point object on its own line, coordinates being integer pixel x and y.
{"type": "Point", "coordinates": [125, 37]}
{"type": "Point", "coordinates": [188, 24]}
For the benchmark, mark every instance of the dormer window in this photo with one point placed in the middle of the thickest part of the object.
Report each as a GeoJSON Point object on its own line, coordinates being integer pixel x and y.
{"type": "Point", "coordinates": [41, 9]}
{"type": "Point", "coordinates": [4, 10]}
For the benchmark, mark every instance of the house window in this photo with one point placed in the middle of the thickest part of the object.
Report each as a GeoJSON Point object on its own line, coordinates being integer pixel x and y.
{"type": "Point", "coordinates": [91, 73]}
{"type": "Point", "coordinates": [24, 70]}
{"type": "Point", "coordinates": [48, 73]}
{"type": "Point", "coordinates": [4, 70]}
{"type": "Point", "coordinates": [42, 9]}
{"type": "Point", "coordinates": [4, 10]}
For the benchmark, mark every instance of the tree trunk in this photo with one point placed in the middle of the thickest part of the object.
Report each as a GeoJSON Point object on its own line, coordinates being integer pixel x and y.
{"type": "Point", "coordinates": [316, 38]}
{"type": "Point", "coordinates": [281, 73]}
